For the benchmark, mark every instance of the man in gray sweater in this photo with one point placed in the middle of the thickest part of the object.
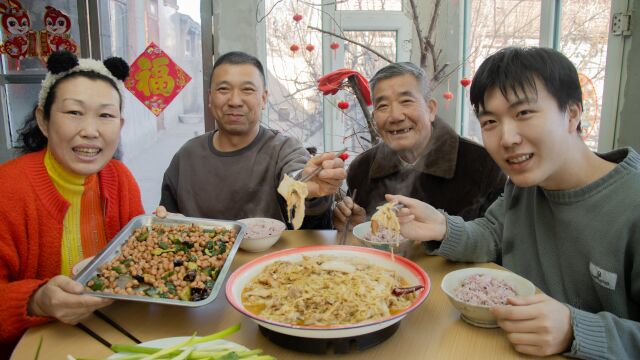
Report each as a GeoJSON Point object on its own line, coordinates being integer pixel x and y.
{"type": "Point", "coordinates": [234, 171]}
{"type": "Point", "coordinates": [568, 219]}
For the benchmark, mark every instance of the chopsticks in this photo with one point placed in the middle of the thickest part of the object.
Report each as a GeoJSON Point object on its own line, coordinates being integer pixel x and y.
{"type": "Point", "coordinates": [90, 332]}
{"type": "Point", "coordinates": [117, 326]}
{"type": "Point", "coordinates": [345, 233]}
{"type": "Point", "coordinates": [109, 321]}
{"type": "Point", "coordinates": [317, 170]}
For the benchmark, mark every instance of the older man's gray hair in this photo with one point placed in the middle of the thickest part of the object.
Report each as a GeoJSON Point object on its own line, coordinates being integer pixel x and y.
{"type": "Point", "coordinates": [399, 69]}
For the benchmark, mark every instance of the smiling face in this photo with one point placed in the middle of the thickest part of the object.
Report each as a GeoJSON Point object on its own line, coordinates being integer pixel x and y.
{"type": "Point", "coordinates": [17, 24]}
{"type": "Point", "coordinates": [237, 98]}
{"type": "Point", "coordinates": [83, 129]}
{"type": "Point", "coordinates": [402, 115]}
{"type": "Point", "coordinates": [529, 137]}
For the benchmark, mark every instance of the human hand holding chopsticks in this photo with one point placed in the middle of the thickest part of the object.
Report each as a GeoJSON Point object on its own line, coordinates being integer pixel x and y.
{"type": "Point", "coordinates": [348, 209]}
{"type": "Point", "coordinates": [329, 174]}
{"type": "Point", "coordinates": [62, 298]}
{"type": "Point", "coordinates": [418, 220]}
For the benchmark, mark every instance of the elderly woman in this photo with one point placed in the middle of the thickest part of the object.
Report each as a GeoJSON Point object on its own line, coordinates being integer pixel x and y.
{"type": "Point", "coordinates": [66, 197]}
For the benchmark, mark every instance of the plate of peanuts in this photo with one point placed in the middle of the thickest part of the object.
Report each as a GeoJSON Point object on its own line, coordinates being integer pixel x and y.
{"type": "Point", "coordinates": [177, 261]}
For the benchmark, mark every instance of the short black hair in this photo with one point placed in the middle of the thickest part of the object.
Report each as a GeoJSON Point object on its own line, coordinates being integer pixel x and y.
{"type": "Point", "coordinates": [240, 58]}
{"type": "Point", "coordinates": [515, 69]}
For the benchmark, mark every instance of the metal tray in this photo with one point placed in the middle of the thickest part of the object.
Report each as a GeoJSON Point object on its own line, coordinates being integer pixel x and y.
{"type": "Point", "coordinates": [113, 249]}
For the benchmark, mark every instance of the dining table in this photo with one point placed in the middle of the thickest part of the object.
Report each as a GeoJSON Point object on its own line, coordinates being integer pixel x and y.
{"type": "Point", "coordinates": [434, 330]}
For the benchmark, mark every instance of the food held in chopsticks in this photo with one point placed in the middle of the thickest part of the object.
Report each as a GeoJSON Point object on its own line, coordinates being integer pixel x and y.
{"type": "Point", "coordinates": [325, 290]}
{"type": "Point", "coordinates": [294, 192]}
{"type": "Point", "coordinates": [178, 262]}
{"type": "Point", "coordinates": [385, 217]}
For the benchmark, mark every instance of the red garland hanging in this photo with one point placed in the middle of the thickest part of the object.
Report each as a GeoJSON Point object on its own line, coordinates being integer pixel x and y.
{"type": "Point", "coordinates": [310, 47]}
{"type": "Point", "coordinates": [465, 82]}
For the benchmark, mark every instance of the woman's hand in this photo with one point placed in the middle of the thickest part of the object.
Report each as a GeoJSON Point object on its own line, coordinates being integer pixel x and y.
{"type": "Point", "coordinates": [536, 325]}
{"type": "Point", "coordinates": [62, 298]}
{"type": "Point", "coordinates": [329, 179]}
{"type": "Point", "coordinates": [345, 209]}
{"type": "Point", "coordinates": [162, 212]}
{"type": "Point", "coordinates": [418, 220]}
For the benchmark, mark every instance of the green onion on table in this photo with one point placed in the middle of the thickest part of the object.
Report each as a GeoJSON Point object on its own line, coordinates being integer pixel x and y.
{"type": "Point", "coordinates": [186, 350]}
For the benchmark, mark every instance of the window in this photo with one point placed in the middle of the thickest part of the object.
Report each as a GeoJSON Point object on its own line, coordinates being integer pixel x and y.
{"type": "Point", "coordinates": [295, 105]}
{"type": "Point", "coordinates": [581, 33]}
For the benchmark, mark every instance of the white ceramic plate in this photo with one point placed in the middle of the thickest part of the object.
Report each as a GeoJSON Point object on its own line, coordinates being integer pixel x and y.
{"type": "Point", "coordinates": [407, 269]}
{"type": "Point", "coordinates": [162, 343]}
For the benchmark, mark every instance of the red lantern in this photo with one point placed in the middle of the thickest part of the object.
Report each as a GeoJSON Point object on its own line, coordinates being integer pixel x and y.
{"type": "Point", "coordinates": [297, 17]}
{"type": "Point", "coordinates": [294, 48]}
{"type": "Point", "coordinates": [465, 82]}
{"type": "Point", "coordinates": [448, 95]}
{"type": "Point", "coordinates": [334, 46]}
{"type": "Point", "coordinates": [343, 105]}
{"type": "Point", "coordinates": [310, 47]}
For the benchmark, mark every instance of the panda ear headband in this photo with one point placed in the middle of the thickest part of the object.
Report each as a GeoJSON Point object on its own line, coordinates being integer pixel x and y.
{"type": "Point", "coordinates": [62, 63]}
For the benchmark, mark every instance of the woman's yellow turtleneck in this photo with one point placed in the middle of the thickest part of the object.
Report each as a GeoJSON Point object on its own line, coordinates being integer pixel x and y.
{"type": "Point", "coordinates": [83, 231]}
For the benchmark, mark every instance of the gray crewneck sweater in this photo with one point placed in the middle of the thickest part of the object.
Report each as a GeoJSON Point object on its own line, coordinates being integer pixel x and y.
{"type": "Point", "coordinates": [204, 182]}
{"type": "Point", "coordinates": [580, 246]}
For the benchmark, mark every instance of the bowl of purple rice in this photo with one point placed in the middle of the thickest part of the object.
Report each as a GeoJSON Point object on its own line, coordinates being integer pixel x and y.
{"type": "Point", "coordinates": [474, 291]}
{"type": "Point", "coordinates": [384, 240]}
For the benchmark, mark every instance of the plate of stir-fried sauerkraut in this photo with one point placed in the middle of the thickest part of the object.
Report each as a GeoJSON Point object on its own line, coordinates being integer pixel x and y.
{"type": "Point", "coordinates": [327, 291]}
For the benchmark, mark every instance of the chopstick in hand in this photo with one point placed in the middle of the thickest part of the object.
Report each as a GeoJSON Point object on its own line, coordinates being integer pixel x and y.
{"type": "Point", "coordinates": [317, 170]}
{"type": "Point", "coordinates": [117, 326]}
{"type": "Point", "coordinates": [93, 335]}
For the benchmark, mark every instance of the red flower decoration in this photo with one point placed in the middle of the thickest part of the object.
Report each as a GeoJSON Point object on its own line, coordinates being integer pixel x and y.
{"type": "Point", "coordinates": [343, 105]}
{"type": "Point", "coordinates": [310, 47]}
{"type": "Point", "coordinates": [297, 17]}
{"type": "Point", "coordinates": [294, 48]}
{"type": "Point", "coordinates": [334, 45]}
{"type": "Point", "coordinates": [448, 95]}
{"type": "Point", "coordinates": [465, 82]}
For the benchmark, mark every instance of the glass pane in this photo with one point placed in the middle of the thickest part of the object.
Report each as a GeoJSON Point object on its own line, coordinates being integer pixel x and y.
{"type": "Point", "coordinates": [388, 5]}
{"type": "Point", "coordinates": [21, 99]}
{"type": "Point", "coordinates": [357, 137]}
{"type": "Point", "coordinates": [148, 142]}
{"type": "Point", "coordinates": [30, 36]}
{"type": "Point", "coordinates": [496, 24]}
{"type": "Point", "coordinates": [583, 39]}
{"type": "Point", "coordinates": [294, 104]}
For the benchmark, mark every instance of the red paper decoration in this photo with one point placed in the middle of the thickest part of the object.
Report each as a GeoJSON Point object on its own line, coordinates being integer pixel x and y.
{"type": "Point", "coordinates": [297, 17]}
{"type": "Point", "coordinates": [310, 47]}
{"type": "Point", "coordinates": [334, 46]}
{"type": "Point", "coordinates": [344, 156]}
{"type": "Point", "coordinates": [294, 48]}
{"type": "Point", "coordinates": [343, 105]}
{"type": "Point", "coordinates": [465, 82]}
{"type": "Point", "coordinates": [447, 95]}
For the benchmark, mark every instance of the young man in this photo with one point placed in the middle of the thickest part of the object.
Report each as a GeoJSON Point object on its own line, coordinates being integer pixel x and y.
{"type": "Point", "coordinates": [568, 219]}
{"type": "Point", "coordinates": [234, 171]}
{"type": "Point", "coordinates": [420, 155]}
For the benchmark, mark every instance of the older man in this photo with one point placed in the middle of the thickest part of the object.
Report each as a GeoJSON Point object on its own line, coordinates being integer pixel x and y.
{"type": "Point", "coordinates": [234, 171]}
{"type": "Point", "coordinates": [420, 156]}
